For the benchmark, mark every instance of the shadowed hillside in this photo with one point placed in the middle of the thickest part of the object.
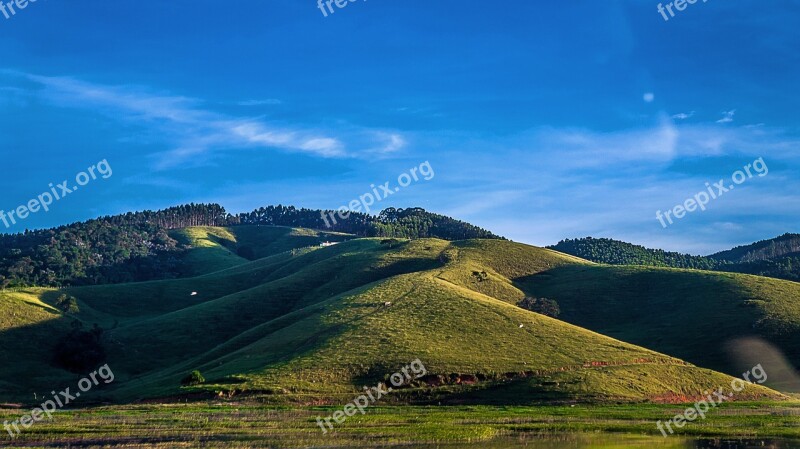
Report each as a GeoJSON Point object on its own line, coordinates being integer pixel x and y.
{"type": "Point", "coordinates": [692, 315]}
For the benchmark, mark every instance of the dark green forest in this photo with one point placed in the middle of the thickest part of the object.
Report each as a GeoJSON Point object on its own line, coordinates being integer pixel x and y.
{"type": "Point", "coordinates": [778, 258]}
{"type": "Point", "coordinates": [137, 246]}
{"type": "Point", "coordinates": [411, 223]}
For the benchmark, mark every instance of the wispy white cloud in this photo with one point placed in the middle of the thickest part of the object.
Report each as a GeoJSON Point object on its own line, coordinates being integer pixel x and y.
{"type": "Point", "coordinates": [683, 115]}
{"type": "Point", "coordinates": [392, 142]}
{"type": "Point", "coordinates": [656, 146]}
{"type": "Point", "coordinates": [581, 148]}
{"type": "Point", "coordinates": [727, 116]}
{"type": "Point", "coordinates": [267, 102]}
{"type": "Point", "coordinates": [477, 203]}
{"type": "Point", "coordinates": [197, 134]}
{"type": "Point", "coordinates": [549, 184]}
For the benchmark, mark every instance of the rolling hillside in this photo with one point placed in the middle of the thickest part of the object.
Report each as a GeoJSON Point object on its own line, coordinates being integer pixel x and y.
{"type": "Point", "coordinates": [152, 245]}
{"type": "Point", "coordinates": [306, 324]}
{"type": "Point", "coordinates": [692, 315]}
{"type": "Point", "coordinates": [213, 248]}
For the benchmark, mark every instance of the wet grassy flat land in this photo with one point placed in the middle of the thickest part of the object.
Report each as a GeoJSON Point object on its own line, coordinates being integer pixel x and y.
{"type": "Point", "coordinates": [241, 425]}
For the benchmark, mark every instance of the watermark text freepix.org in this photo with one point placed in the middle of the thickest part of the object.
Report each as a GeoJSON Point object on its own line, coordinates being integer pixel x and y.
{"type": "Point", "coordinates": [756, 375]}
{"type": "Point", "coordinates": [327, 5]}
{"type": "Point", "coordinates": [10, 8]}
{"type": "Point", "coordinates": [59, 400]}
{"type": "Point", "coordinates": [57, 192]}
{"type": "Point", "coordinates": [367, 200]}
{"type": "Point", "coordinates": [718, 189]}
{"type": "Point", "coordinates": [372, 394]}
{"type": "Point", "coordinates": [679, 5]}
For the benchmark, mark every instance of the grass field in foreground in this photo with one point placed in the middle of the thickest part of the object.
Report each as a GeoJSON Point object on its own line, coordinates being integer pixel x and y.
{"type": "Point", "coordinates": [239, 425]}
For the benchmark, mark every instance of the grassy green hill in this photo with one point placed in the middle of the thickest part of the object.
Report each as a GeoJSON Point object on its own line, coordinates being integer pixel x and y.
{"type": "Point", "coordinates": [214, 248]}
{"type": "Point", "coordinates": [692, 315]}
{"type": "Point", "coordinates": [310, 325]}
{"type": "Point", "coordinates": [153, 245]}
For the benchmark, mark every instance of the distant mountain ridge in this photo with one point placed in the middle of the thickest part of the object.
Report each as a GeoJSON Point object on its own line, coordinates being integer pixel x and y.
{"type": "Point", "coordinates": [616, 252]}
{"type": "Point", "coordinates": [140, 246]}
{"type": "Point", "coordinates": [777, 258]}
{"type": "Point", "coordinates": [785, 245]}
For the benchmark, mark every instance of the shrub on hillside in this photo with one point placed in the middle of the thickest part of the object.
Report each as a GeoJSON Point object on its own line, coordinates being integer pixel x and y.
{"type": "Point", "coordinates": [543, 306]}
{"type": "Point", "coordinates": [193, 378]}
{"type": "Point", "coordinates": [67, 304]}
{"type": "Point", "coordinates": [390, 242]}
{"type": "Point", "coordinates": [480, 276]}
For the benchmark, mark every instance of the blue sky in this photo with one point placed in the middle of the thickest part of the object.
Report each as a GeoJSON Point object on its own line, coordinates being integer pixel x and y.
{"type": "Point", "coordinates": [542, 120]}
